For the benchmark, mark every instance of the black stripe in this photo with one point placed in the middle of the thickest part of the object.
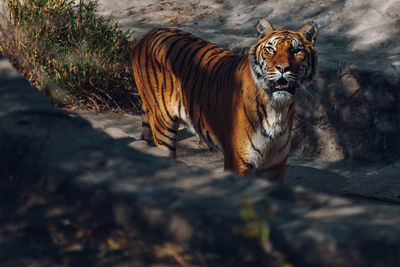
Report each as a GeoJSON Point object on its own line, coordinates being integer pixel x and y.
{"type": "Point", "coordinates": [210, 78]}
{"type": "Point", "coordinates": [171, 47]}
{"type": "Point", "coordinates": [260, 120]}
{"type": "Point", "coordinates": [213, 47]}
{"type": "Point", "coordinates": [264, 111]}
{"type": "Point", "coordinates": [170, 147]}
{"type": "Point", "coordinates": [231, 72]}
{"type": "Point", "coordinates": [171, 86]}
{"type": "Point", "coordinates": [160, 46]}
{"type": "Point", "coordinates": [179, 107]}
{"type": "Point", "coordinates": [205, 76]}
{"type": "Point", "coordinates": [188, 42]}
{"type": "Point", "coordinates": [243, 65]}
{"type": "Point", "coordinates": [291, 106]}
{"type": "Point", "coordinates": [193, 54]}
{"type": "Point", "coordinates": [178, 34]}
{"type": "Point", "coordinates": [210, 139]}
{"type": "Point", "coordinates": [149, 80]}
{"type": "Point", "coordinates": [163, 134]}
{"type": "Point", "coordinates": [285, 145]}
{"type": "Point", "coordinates": [172, 30]}
{"type": "Point", "coordinates": [156, 38]}
{"type": "Point", "coordinates": [139, 47]}
{"type": "Point", "coordinates": [252, 145]}
{"type": "Point", "coordinates": [197, 71]}
{"type": "Point", "coordinates": [163, 86]}
{"type": "Point", "coordinates": [260, 117]}
{"type": "Point", "coordinates": [224, 61]}
{"type": "Point", "coordinates": [182, 62]}
{"type": "Point", "coordinates": [162, 90]}
{"type": "Point", "coordinates": [171, 130]}
{"type": "Point", "coordinates": [199, 129]}
{"type": "Point", "coordinates": [217, 55]}
{"type": "Point", "coordinates": [139, 50]}
{"type": "Point", "coordinates": [259, 56]}
{"type": "Point", "coordinates": [248, 165]}
{"type": "Point", "coordinates": [215, 79]}
{"type": "Point", "coordinates": [248, 119]}
{"type": "Point", "coordinates": [179, 53]}
{"type": "Point", "coordinates": [189, 75]}
{"type": "Point", "coordinates": [259, 75]}
{"type": "Point", "coordinates": [219, 79]}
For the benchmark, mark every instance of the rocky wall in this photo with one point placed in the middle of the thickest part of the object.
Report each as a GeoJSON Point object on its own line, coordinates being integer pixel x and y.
{"type": "Point", "coordinates": [158, 198]}
{"type": "Point", "coordinates": [352, 110]}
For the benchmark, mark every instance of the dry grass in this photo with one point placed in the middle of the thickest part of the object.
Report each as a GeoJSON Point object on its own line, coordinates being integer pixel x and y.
{"type": "Point", "coordinates": [70, 54]}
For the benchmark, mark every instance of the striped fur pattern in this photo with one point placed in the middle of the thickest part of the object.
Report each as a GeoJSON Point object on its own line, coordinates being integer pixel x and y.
{"type": "Point", "coordinates": [242, 105]}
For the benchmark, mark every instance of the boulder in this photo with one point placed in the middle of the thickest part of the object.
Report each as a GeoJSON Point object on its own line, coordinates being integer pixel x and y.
{"type": "Point", "coordinates": [229, 219]}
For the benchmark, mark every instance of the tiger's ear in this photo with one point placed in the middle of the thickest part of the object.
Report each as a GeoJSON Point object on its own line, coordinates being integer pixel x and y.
{"type": "Point", "coordinates": [263, 27]}
{"type": "Point", "coordinates": [310, 31]}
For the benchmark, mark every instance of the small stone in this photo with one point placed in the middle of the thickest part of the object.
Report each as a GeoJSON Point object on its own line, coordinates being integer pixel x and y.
{"type": "Point", "coordinates": [349, 84]}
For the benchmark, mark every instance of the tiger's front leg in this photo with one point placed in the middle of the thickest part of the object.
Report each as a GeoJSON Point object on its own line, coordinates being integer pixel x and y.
{"type": "Point", "coordinates": [235, 162]}
{"type": "Point", "coordinates": [275, 173]}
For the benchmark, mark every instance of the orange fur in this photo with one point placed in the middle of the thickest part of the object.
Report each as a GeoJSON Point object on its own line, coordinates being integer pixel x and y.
{"type": "Point", "coordinates": [242, 105]}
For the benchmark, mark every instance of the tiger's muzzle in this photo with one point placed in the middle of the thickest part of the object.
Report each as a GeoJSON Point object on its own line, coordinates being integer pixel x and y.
{"type": "Point", "coordinates": [284, 85]}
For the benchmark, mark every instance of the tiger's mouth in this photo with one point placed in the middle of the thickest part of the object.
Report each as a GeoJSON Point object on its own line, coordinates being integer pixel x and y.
{"type": "Point", "coordinates": [283, 85]}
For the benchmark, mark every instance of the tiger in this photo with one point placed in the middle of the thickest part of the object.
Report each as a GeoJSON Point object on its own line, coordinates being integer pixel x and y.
{"type": "Point", "coordinates": [242, 105]}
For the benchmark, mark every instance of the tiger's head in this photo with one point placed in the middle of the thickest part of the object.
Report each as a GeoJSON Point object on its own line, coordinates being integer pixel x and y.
{"type": "Point", "coordinates": [283, 60]}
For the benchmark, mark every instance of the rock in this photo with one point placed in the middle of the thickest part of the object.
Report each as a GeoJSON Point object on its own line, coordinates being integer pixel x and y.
{"type": "Point", "coordinates": [349, 84]}
{"type": "Point", "coordinates": [355, 116]}
{"type": "Point", "coordinates": [357, 45]}
{"type": "Point", "coordinates": [49, 151]}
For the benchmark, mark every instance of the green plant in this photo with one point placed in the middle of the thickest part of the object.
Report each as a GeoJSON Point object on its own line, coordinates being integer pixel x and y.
{"type": "Point", "coordinates": [69, 53]}
{"type": "Point", "coordinates": [256, 225]}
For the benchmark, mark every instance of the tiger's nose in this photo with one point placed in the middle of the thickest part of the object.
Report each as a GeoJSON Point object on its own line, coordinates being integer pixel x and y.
{"type": "Point", "coordinates": [282, 67]}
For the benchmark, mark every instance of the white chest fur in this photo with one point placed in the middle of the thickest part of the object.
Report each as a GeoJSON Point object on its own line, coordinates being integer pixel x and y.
{"type": "Point", "coordinates": [270, 143]}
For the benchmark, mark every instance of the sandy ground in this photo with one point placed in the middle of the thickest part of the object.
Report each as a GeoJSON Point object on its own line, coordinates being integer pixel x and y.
{"type": "Point", "coordinates": [369, 182]}
{"type": "Point", "coordinates": [347, 29]}
{"type": "Point", "coordinates": [31, 231]}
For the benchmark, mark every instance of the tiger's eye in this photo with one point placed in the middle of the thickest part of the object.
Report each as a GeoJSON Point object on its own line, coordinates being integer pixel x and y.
{"type": "Point", "coordinates": [270, 49]}
{"type": "Point", "coordinates": [297, 51]}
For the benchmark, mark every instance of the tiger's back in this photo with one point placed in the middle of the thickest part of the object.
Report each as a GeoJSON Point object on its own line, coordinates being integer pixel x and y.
{"type": "Point", "coordinates": [242, 105]}
{"type": "Point", "coordinates": [182, 77]}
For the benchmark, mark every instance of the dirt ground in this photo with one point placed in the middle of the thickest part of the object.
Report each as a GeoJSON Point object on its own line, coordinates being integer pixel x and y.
{"type": "Point", "coordinates": [37, 229]}
{"type": "Point", "coordinates": [365, 181]}
{"type": "Point", "coordinates": [364, 25]}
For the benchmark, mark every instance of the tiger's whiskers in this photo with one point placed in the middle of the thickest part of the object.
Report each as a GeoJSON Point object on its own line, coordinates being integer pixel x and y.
{"type": "Point", "coordinates": [306, 91]}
